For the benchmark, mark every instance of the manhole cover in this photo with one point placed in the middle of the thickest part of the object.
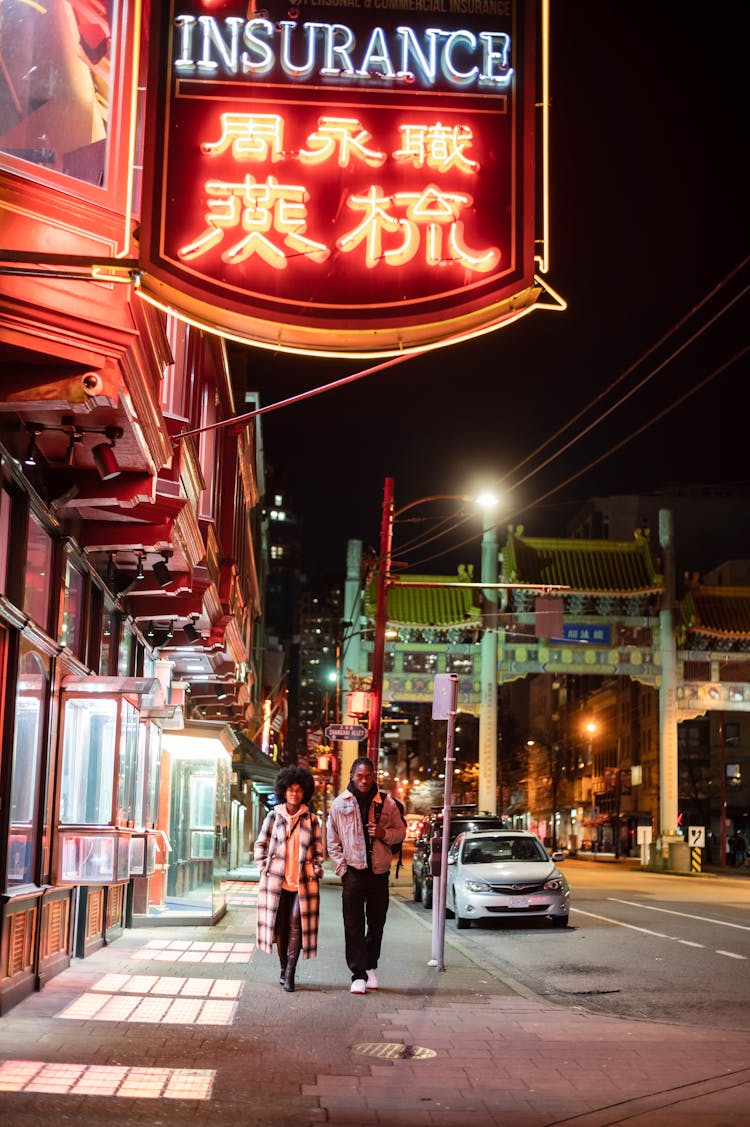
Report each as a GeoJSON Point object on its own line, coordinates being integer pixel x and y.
{"type": "Point", "coordinates": [391, 1050]}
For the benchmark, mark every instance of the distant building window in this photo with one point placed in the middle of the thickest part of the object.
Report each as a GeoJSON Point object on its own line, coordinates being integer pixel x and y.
{"type": "Point", "coordinates": [732, 735]}
{"type": "Point", "coordinates": [420, 662]}
{"type": "Point", "coordinates": [278, 500]}
{"type": "Point", "coordinates": [277, 514]}
{"type": "Point", "coordinates": [459, 663]}
{"type": "Point", "coordinates": [277, 552]}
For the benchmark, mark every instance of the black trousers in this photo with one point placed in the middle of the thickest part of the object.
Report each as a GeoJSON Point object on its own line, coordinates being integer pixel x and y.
{"type": "Point", "coordinates": [365, 905]}
{"type": "Point", "coordinates": [288, 930]}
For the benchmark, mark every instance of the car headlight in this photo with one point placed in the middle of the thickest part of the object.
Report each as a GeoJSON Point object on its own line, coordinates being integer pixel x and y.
{"type": "Point", "coordinates": [478, 886]}
{"type": "Point", "coordinates": [556, 884]}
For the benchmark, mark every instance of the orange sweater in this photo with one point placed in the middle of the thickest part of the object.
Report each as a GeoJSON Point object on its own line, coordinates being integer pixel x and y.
{"type": "Point", "coordinates": [291, 860]}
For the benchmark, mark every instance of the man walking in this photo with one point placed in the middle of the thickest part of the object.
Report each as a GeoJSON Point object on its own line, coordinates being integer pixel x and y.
{"type": "Point", "coordinates": [363, 824]}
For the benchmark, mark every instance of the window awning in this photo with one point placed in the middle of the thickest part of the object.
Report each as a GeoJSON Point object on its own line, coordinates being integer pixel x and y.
{"type": "Point", "coordinates": [148, 689]}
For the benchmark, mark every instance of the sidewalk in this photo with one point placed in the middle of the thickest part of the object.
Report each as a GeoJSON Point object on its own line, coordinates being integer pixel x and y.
{"type": "Point", "coordinates": [176, 1026]}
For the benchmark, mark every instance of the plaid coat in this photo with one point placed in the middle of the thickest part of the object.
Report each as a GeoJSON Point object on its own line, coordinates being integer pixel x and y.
{"type": "Point", "coordinates": [270, 853]}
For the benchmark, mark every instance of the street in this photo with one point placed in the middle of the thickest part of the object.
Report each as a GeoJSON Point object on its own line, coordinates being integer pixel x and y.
{"type": "Point", "coordinates": [640, 945]}
{"type": "Point", "coordinates": [180, 1025]}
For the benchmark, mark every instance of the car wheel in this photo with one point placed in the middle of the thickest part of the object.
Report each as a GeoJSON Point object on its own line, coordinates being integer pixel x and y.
{"type": "Point", "coordinates": [416, 888]}
{"type": "Point", "coordinates": [461, 921]}
{"type": "Point", "coordinates": [426, 894]}
{"type": "Point", "coordinates": [559, 921]}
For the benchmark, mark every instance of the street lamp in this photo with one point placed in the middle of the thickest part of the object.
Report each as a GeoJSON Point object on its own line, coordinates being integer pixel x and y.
{"type": "Point", "coordinates": [489, 648]}
{"type": "Point", "coordinates": [487, 795]}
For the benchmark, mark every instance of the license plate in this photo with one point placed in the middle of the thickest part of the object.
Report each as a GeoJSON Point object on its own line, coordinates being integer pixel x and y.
{"type": "Point", "coordinates": [518, 901]}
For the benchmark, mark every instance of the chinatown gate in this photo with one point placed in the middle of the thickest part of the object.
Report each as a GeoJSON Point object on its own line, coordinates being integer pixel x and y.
{"type": "Point", "coordinates": [618, 617]}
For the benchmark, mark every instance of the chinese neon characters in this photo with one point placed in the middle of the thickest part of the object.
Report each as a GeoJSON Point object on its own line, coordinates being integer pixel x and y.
{"type": "Point", "coordinates": [254, 216]}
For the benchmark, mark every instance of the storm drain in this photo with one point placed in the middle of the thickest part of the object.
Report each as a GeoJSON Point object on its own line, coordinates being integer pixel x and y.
{"type": "Point", "coordinates": [392, 1050]}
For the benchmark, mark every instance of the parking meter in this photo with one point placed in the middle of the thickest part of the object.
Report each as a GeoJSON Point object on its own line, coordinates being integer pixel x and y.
{"type": "Point", "coordinates": [436, 846]}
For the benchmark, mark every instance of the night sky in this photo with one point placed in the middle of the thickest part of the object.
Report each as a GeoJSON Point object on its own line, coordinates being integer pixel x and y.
{"type": "Point", "coordinates": [649, 214]}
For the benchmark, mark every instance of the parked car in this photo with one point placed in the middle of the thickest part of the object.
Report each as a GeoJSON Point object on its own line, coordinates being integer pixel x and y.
{"type": "Point", "coordinates": [413, 824]}
{"type": "Point", "coordinates": [509, 874]}
{"type": "Point", "coordinates": [463, 818]}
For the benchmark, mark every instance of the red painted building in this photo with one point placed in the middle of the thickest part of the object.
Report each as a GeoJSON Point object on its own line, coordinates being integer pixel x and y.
{"type": "Point", "coordinates": [130, 573]}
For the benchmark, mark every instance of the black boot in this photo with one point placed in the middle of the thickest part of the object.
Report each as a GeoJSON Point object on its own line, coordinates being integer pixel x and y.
{"type": "Point", "coordinates": [292, 952]}
{"type": "Point", "coordinates": [281, 939]}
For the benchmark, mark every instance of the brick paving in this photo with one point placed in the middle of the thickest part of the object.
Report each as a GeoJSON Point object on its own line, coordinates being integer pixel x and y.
{"type": "Point", "coordinates": [152, 1030]}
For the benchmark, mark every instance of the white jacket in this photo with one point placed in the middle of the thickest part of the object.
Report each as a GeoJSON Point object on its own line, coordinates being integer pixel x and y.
{"type": "Point", "coordinates": [346, 834]}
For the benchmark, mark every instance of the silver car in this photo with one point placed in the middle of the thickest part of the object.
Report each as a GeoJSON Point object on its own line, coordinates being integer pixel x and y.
{"type": "Point", "coordinates": [495, 874]}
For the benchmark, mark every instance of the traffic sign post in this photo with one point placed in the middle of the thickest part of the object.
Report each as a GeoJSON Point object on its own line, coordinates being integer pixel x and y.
{"type": "Point", "coordinates": [346, 732]}
{"type": "Point", "coordinates": [696, 841]}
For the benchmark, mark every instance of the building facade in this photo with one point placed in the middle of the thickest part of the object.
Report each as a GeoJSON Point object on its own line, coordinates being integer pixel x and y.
{"type": "Point", "coordinates": [130, 573]}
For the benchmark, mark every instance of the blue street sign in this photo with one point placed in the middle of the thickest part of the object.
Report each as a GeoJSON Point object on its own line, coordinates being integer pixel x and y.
{"type": "Point", "coordinates": [589, 632]}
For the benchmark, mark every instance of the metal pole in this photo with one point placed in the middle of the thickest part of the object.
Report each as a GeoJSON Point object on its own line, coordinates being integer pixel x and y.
{"type": "Point", "coordinates": [381, 621]}
{"type": "Point", "coordinates": [722, 794]}
{"type": "Point", "coordinates": [668, 788]}
{"type": "Point", "coordinates": [438, 905]}
{"type": "Point", "coordinates": [618, 761]}
{"type": "Point", "coordinates": [488, 700]}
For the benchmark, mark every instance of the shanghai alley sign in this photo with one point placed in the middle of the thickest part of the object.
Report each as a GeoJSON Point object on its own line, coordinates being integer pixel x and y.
{"type": "Point", "coordinates": [341, 176]}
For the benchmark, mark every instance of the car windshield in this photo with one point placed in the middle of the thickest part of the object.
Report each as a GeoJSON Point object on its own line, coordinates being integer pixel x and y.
{"type": "Point", "coordinates": [488, 850]}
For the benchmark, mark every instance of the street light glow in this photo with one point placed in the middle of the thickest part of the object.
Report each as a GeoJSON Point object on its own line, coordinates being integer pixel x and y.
{"type": "Point", "coordinates": [487, 499]}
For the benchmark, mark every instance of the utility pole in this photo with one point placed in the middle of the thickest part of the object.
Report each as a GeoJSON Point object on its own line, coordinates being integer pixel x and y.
{"type": "Point", "coordinates": [381, 621]}
{"type": "Point", "coordinates": [488, 659]}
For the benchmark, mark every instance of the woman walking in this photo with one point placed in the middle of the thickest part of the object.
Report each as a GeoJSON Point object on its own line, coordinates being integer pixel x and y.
{"type": "Point", "coordinates": [289, 852]}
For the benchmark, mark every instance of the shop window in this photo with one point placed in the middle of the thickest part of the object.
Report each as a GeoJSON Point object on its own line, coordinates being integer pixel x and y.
{"type": "Point", "coordinates": [56, 66]}
{"type": "Point", "coordinates": [108, 640]}
{"type": "Point", "coordinates": [127, 766]}
{"type": "Point", "coordinates": [88, 761]}
{"type": "Point", "coordinates": [99, 762]}
{"type": "Point", "coordinates": [150, 815]}
{"type": "Point", "coordinates": [70, 632]}
{"type": "Point", "coordinates": [28, 742]}
{"type": "Point", "coordinates": [38, 572]}
{"type": "Point", "coordinates": [125, 651]}
{"type": "Point", "coordinates": [202, 816]}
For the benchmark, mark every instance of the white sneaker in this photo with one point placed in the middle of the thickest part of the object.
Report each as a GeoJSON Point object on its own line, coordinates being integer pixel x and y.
{"type": "Point", "coordinates": [372, 980]}
{"type": "Point", "coordinates": [359, 986]}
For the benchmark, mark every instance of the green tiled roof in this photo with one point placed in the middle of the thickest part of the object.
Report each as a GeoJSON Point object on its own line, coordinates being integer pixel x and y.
{"type": "Point", "coordinates": [446, 607]}
{"type": "Point", "coordinates": [609, 566]}
{"type": "Point", "coordinates": [721, 611]}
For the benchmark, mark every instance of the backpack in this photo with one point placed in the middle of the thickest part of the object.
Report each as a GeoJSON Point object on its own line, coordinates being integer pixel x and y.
{"type": "Point", "coordinates": [395, 849]}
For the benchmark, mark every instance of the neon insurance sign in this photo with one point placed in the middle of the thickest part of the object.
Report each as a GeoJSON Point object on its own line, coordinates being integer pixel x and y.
{"type": "Point", "coordinates": [341, 176]}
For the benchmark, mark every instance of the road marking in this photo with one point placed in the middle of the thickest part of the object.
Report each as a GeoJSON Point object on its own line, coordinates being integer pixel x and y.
{"type": "Point", "coordinates": [631, 927]}
{"type": "Point", "coordinates": [684, 915]}
{"type": "Point", "coordinates": [656, 934]}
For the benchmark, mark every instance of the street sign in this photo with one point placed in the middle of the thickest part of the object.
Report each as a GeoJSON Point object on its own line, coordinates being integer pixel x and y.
{"type": "Point", "coordinates": [697, 836]}
{"type": "Point", "coordinates": [346, 732]}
